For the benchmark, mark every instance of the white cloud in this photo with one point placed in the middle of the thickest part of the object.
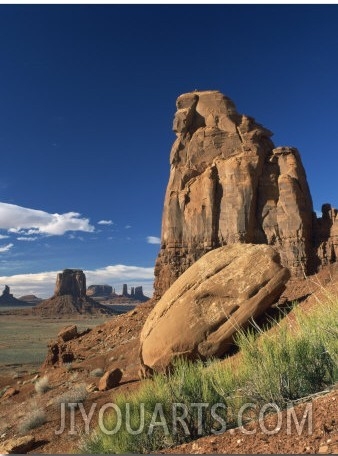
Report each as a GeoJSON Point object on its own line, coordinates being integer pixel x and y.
{"type": "Point", "coordinates": [42, 284]}
{"type": "Point", "coordinates": [4, 236]}
{"type": "Point", "coordinates": [5, 248]}
{"type": "Point", "coordinates": [105, 222]}
{"type": "Point", "coordinates": [127, 227]}
{"type": "Point", "coordinates": [23, 238]}
{"type": "Point", "coordinates": [153, 240]}
{"type": "Point", "coordinates": [22, 220]}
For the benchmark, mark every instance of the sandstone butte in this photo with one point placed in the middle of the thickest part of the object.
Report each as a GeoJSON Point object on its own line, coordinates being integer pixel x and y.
{"type": "Point", "coordinates": [70, 297]}
{"type": "Point", "coordinates": [229, 184]}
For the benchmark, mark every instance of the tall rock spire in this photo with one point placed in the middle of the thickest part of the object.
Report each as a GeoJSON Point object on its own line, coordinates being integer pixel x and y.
{"type": "Point", "coordinates": [228, 183]}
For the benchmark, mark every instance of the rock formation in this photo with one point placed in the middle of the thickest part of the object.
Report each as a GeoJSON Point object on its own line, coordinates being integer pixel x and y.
{"type": "Point", "coordinates": [125, 290]}
{"type": "Point", "coordinates": [106, 294]}
{"type": "Point", "coordinates": [326, 229]}
{"type": "Point", "coordinates": [70, 297]}
{"type": "Point", "coordinates": [229, 184]}
{"type": "Point", "coordinates": [99, 290]}
{"type": "Point", "coordinates": [7, 299]}
{"type": "Point", "coordinates": [199, 314]}
{"type": "Point", "coordinates": [30, 299]}
{"type": "Point", "coordinates": [138, 294]}
{"type": "Point", "coordinates": [71, 282]}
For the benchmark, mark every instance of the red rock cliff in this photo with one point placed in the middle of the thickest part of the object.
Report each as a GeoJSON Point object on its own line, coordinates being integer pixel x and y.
{"type": "Point", "coordinates": [228, 183]}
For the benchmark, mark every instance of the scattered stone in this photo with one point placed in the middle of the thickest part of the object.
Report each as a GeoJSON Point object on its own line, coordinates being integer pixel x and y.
{"type": "Point", "coordinates": [91, 388]}
{"type": "Point", "coordinates": [323, 449]}
{"type": "Point", "coordinates": [68, 333]}
{"type": "Point", "coordinates": [10, 392]}
{"type": "Point", "coordinates": [110, 379]}
{"type": "Point", "coordinates": [20, 445]}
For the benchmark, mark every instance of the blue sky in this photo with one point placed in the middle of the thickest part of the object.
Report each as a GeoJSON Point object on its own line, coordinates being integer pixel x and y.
{"type": "Point", "coordinates": [87, 99]}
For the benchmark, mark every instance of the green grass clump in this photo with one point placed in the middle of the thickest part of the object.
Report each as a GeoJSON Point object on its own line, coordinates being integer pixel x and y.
{"type": "Point", "coordinates": [277, 366]}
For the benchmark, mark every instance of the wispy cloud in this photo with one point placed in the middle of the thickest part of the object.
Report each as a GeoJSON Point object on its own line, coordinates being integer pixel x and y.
{"type": "Point", "coordinates": [42, 284]}
{"type": "Point", "coordinates": [29, 239]}
{"type": "Point", "coordinates": [5, 248]}
{"type": "Point", "coordinates": [105, 222]}
{"type": "Point", "coordinates": [153, 240]}
{"type": "Point", "coordinates": [127, 227]}
{"type": "Point", "coordinates": [22, 220]}
{"type": "Point", "coordinates": [4, 236]}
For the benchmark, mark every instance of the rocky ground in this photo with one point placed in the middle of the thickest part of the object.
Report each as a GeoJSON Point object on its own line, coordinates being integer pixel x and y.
{"type": "Point", "coordinates": [115, 344]}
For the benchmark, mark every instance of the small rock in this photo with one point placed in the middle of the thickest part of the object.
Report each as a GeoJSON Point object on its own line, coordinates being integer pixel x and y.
{"type": "Point", "coordinates": [110, 379]}
{"type": "Point", "coordinates": [10, 392]}
{"type": "Point", "coordinates": [323, 449]}
{"type": "Point", "coordinates": [68, 333]}
{"type": "Point", "coordinates": [21, 445]}
{"type": "Point", "coordinates": [91, 388]}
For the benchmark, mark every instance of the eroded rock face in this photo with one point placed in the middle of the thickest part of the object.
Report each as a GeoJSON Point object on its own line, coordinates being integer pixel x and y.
{"type": "Point", "coordinates": [71, 282]}
{"type": "Point", "coordinates": [327, 235]}
{"type": "Point", "coordinates": [200, 313]}
{"type": "Point", "coordinates": [229, 184]}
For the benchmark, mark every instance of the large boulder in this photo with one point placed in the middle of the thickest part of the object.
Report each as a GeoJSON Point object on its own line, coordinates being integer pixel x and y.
{"type": "Point", "coordinates": [110, 379]}
{"type": "Point", "coordinates": [200, 313]}
{"type": "Point", "coordinates": [228, 184]}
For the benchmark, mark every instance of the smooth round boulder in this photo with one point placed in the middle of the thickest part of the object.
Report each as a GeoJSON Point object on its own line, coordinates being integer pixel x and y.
{"type": "Point", "coordinates": [200, 313]}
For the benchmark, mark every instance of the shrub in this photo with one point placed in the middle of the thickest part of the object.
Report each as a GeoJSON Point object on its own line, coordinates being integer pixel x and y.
{"type": "Point", "coordinates": [42, 386]}
{"type": "Point", "coordinates": [75, 395]}
{"type": "Point", "coordinates": [277, 366]}
{"type": "Point", "coordinates": [32, 420]}
{"type": "Point", "coordinates": [68, 366]}
{"type": "Point", "coordinates": [96, 372]}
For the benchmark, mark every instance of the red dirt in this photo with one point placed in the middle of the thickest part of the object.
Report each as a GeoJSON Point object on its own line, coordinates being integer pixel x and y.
{"type": "Point", "coordinates": [115, 344]}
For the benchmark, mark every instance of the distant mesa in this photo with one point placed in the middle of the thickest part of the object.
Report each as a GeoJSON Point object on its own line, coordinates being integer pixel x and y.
{"type": "Point", "coordinates": [70, 297]}
{"type": "Point", "coordinates": [7, 299]}
{"type": "Point", "coordinates": [108, 294]}
{"type": "Point", "coordinates": [30, 299]}
{"type": "Point", "coordinates": [99, 290]}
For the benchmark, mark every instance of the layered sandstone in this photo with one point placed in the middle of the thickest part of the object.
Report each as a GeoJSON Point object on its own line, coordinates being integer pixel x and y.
{"type": "Point", "coordinates": [229, 184]}
{"type": "Point", "coordinates": [326, 232]}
